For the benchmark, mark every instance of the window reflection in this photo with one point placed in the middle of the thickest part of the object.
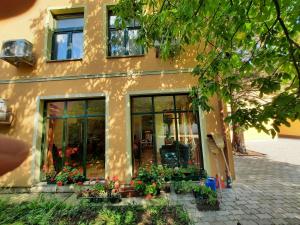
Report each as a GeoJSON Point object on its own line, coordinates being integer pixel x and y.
{"type": "Point", "coordinates": [175, 137]}
{"type": "Point", "coordinates": [75, 138]}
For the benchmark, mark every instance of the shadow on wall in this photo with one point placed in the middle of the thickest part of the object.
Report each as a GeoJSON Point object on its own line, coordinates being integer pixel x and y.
{"type": "Point", "coordinates": [22, 97]}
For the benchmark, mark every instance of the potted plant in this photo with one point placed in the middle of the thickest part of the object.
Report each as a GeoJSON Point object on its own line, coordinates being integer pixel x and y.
{"type": "Point", "coordinates": [50, 177]}
{"type": "Point", "coordinates": [151, 190]}
{"type": "Point", "coordinates": [206, 198]}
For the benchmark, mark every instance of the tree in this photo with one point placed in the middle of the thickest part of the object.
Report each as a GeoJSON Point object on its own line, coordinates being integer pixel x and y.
{"type": "Point", "coordinates": [250, 58]}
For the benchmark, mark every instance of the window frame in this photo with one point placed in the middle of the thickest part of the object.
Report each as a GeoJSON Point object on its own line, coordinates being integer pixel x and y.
{"type": "Point", "coordinates": [64, 117]}
{"type": "Point", "coordinates": [69, 31]}
{"type": "Point", "coordinates": [124, 41]}
{"type": "Point", "coordinates": [175, 111]}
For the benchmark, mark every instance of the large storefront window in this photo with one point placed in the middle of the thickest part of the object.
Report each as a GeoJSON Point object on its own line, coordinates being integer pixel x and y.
{"type": "Point", "coordinates": [74, 135]}
{"type": "Point", "coordinates": [165, 130]}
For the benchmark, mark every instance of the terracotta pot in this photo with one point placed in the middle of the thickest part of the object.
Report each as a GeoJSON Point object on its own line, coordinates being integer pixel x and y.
{"type": "Point", "coordinates": [148, 196]}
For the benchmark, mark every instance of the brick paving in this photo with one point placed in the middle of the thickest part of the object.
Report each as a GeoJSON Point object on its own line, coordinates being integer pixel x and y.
{"type": "Point", "coordinates": [267, 191]}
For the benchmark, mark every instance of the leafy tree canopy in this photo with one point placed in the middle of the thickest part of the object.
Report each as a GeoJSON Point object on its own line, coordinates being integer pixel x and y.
{"type": "Point", "coordinates": [251, 56]}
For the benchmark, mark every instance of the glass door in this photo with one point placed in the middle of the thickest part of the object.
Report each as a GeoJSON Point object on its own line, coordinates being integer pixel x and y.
{"type": "Point", "coordinates": [74, 135]}
{"type": "Point", "coordinates": [165, 130]}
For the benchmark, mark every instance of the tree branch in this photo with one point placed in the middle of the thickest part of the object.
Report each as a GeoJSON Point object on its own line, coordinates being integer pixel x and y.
{"type": "Point", "coordinates": [290, 41]}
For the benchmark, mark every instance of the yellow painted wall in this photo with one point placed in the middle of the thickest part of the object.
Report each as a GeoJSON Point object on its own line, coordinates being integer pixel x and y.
{"type": "Point", "coordinates": [23, 95]}
{"type": "Point", "coordinates": [293, 131]}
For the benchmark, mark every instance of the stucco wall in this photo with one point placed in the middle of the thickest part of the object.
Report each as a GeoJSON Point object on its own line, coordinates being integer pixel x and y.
{"type": "Point", "coordinates": [115, 78]}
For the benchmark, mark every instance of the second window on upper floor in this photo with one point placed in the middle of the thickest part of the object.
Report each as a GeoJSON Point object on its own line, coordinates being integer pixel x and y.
{"type": "Point", "coordinates": [67, 38]}
{"type": "Point", "coordinates": [122, 42]}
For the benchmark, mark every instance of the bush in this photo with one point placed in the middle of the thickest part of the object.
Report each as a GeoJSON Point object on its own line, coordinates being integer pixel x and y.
{"type": "Point", "coordinates": [48, 211]}
{"type": "Point", "coordinates": [183, 187]}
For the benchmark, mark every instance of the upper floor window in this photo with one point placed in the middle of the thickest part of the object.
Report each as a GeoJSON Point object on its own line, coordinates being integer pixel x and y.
{"type": "Point", "coordinates": [67, 38]}
{"type": "Point", "coordinates": [122, 42]}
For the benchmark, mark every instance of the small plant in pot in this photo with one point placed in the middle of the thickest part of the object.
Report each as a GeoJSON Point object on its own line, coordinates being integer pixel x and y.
{"type": "Point", "coordinates": [206, 198]}
{"type": "Point", "coordinates": [151, 190]}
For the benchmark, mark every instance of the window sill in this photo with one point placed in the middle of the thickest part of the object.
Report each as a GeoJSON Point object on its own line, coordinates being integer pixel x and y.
{"type": "Point", "coordinates": [62, 60]}
{"type": "Point", "coordinates": [124, 56]}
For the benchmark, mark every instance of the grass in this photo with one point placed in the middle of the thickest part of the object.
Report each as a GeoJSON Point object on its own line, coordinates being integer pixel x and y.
{"type": "Point", "coordinates": [44, 211]}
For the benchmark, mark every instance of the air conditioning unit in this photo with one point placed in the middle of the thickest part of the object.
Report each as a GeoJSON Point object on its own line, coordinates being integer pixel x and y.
{"type": "Point", "coordinates": [17, 52]}
{"type": "Point", "coordinates": [6, 115]}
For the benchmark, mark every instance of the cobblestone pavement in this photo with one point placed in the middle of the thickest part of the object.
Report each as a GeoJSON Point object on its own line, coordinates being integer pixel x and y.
{"type": "Point", "coordinates": [265, 192]}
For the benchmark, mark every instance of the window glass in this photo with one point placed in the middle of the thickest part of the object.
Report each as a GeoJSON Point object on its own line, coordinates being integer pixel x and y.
{"type": "Point", "coordinates": [123, 41]}
{"type": "Point", "coordinates": [77, 46]}
{"type": "Point", "coordinates": [188, 139]}
{"type": "Point", "coordinates": [95, 157]}
{"type": "Point", "coordinates": [96, 106]}
{"type": "Point", "coordinates": [165, 136]}
{"type": "Point", "coordinates": [55, 109]}
{"type": "Point", "coordinates": [133, 48]}
{"type": "Point", "coordinates": [116, 42]}
{"type": "Point", "coordinates": [53, 155]}
{"type": "Point", "coordinates": [69, 23]}
{"type": "Point", "coordinates": [142, 104]}
{"type": "Point", "coordinates": [67, 40]}
{"type": "Point", "coordinates": [183, 102]}
{"type": "Point", "coordinates": [61, 45]}
{"type": "Point", "coordinates": [163, 103]}
{"type": "Point", "coordinates": [142, 140]}
{"type": "Point", "coordinates": [77, 139]}
{"type": "Point", "coordinates": [74, 143]}
{"type": "Point", "coordinates": [75, 108]}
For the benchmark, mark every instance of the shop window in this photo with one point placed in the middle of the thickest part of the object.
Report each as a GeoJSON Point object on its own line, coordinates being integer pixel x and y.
{"type": "Point", "coordinates": [165, 131]}
{"type": "Point", "coordinates": [122, 42]}
{"type": "Point", "coordinates": [74, 135]}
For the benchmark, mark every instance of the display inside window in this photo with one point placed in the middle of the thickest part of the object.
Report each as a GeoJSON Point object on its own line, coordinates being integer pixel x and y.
{"type": "Point", "coordinates": [165, 131]}
{"type": "Point", "coordinates": [74, 136]}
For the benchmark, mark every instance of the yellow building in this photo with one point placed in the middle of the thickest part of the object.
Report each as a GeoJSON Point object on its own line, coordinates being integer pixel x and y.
{"type": "Point", "coordinates": [95, 100]}
{"type": "Point", "coordinates": [290, 132]}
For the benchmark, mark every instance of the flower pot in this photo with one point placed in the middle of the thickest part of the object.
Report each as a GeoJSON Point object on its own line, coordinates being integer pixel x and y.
{"type": "Point", "coordinates": [148, 196]}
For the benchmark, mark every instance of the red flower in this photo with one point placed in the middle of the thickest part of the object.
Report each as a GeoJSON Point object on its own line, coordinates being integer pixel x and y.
{"type": "Point", "coordinates": [115, 178]}
{"type": "Point", "coordinates": [66, 163]}
{"type": "Point", "coordinates": [79, 183]}
{"type": "Point", "coordinates": [51, 179]}
{"type": "Point", "coordinates": [59, 183]}
{"type": "Point", "coordinates": [74, 164]}
{"type": "Point", "coordinates": [140, 182]}
{"type": "Point", "coordinates": [131, 183]}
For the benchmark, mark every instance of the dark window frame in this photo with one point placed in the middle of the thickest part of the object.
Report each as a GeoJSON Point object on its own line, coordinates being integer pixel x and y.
{"type": "Point", "coordinates": [64, 119]}
{"type": "Point", "coordinates": [175, 111]}
{"type": "Point", "coordinates": [69, 31]}
{"type": "Point", "coordinates": [126, 36]}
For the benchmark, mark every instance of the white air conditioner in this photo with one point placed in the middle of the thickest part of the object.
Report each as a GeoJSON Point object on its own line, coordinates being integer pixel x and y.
{"type": "Point", "coordinates": [17, 52]}
{"type": "Point", "coordinates": [3, 110]}
{"type": "Point", "coordinates": [6, 115]}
